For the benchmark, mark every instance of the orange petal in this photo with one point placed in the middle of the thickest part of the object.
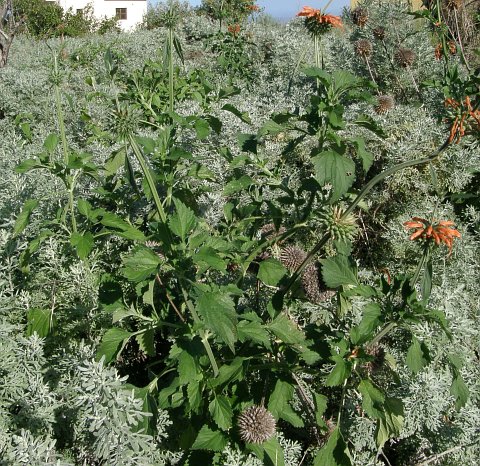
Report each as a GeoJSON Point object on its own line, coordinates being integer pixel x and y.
{"type": "Point", "coordinates": [446, 223]}
{"type": "Point", "coordinates": [415, 235]}
{"type": "Point", "coordinates": [414, 224]}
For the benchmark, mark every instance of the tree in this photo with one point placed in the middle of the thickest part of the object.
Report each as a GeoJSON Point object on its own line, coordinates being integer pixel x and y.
{"type": "Point", "coordinates": [8, 28]}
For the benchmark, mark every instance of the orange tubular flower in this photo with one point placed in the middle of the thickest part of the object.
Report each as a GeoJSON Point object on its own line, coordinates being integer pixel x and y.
{"type": "Point", "coordinates": [465, 118]}
{"type": "Point", "coordinates": [439, 232]}
{"type": "Point", "coordinates": [318, 23]}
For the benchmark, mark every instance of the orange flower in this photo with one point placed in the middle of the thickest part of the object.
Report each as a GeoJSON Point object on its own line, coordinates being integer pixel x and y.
{"type": "Point", "coordinates": [329, 20]}
{"type": "Point", "coordinates": [441, 232]}
{"type": "Point", "coordinates": [309, 12]}
{"type": "Point", "coordinates": [462, 122]}
{"type": "Point", "coordinates": [234, 29]}
{"type": "Point", "coordinates": [253, 7]}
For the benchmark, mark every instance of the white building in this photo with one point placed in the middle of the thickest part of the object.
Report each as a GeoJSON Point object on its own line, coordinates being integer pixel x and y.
{"type": "Point", "coordinates": [128, 12]}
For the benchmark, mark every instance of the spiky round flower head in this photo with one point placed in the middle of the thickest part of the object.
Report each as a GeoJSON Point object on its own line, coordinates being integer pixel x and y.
{"type": "Point", "coordinates": [384, 104]}
{"type": "Point", "coordinates": [171, 18]}
{"type": "Point", "coordinates": [256, 425]}
{"type": "Point", "coordinates": [452, 47]}
{"type": "Point", "coordinates": [405, 57]}
{"type": "Point", "coordinates": [124, 121]}
{"type": "Point", "coordinates": [360, 16]}
{"type": "Point", "coordinates": [363, 47]}
{"type": "Point", "coordinates": [312, 287]}
{"type": "Point", "coordinates": [379, 33]}
{"type": "Point", "coordinates": [339, 227]}
{"type": "Point", "coordinates": [269, 231]}
{"type": "Point", "coordinates": [292, 257]}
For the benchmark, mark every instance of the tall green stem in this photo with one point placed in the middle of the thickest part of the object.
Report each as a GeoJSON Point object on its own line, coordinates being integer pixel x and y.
{"type": "Point", "coordinates": [170, 69]}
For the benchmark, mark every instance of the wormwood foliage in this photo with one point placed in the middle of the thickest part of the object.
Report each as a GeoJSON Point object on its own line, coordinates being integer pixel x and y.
{"type": "Point", "coordinates": [197, 265]}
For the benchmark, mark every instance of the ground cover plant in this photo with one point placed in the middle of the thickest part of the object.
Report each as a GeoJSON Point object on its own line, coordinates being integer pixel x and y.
{"type": "Point", "coordinates": [233, 242]}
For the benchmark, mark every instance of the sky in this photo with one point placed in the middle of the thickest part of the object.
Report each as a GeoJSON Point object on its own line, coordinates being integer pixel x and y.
{"type": "Point", "coordinates": [288, 8]}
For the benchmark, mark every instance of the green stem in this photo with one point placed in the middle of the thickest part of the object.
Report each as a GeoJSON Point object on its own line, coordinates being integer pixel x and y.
{"type": "Point", "coordinates": [170, 69]}
{"type": "Point", "coordinates": [421, 263]}
{"type": "Point", "coordinates": [61, 122]}
{"type": "Point", "coordinates": [390, 326]}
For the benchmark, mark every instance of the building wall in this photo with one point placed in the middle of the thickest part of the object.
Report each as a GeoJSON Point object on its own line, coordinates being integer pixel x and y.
{"type": "Point", "coordinates": [416, 4]}
{"type": "Point", "coordinates": [136, 9]}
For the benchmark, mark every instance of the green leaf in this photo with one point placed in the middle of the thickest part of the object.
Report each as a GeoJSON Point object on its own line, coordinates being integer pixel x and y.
{"type": "Point", "coordinates": [221, 412]}
{"type": "Point", "coordinates": [253, 331]}
{"type": "Point", "coordinates": [369, 123]}
{"type": "Point", "coordinates": [206, 258]}
{"type": "Point", "coordinates": [83, 243]}
{"type": "Point", "coordinates": [426, 283]}
{"type": "Point", "coordinates": [229, 373]}
{"type": "Point", "coordinates": [367, 157]}
{"type": "Point", "coordinates": [111, 343]}
{"type": "Point", "coordinates": [218, 312]}
{"type": "Point", "coordinates": [208, 439]}
{"type": "Point", "coordinates": [340, 372]}
{"type": "Point", "coordinates": [271, 127]}
{"type": "Point", "coordinates": [337, 271]}
{"type": "Point", "coordinates": [271, 271]}
{"type": "Point", "coordinates": [146, 341]}
{"type": "Point", "coordinates": [244, 116]}
{"type": "Point", "coordinates": [183, 220]}
{"type": "Point", "coordinates": [280, 397]}
{"type": "Point", "coordinates": [85, 208]}
{"type": "Point", "coordinates": [459, 391]}
{"type": "Point", "coordinates": [269, 452]}
{"type": "Point", "coordinates": [141, 264]}
{"type": "Point", "coordinates": [283, 328]}
{"type": "Point", "coordinates": [187, 367]}
{"type": "Point", "coordinates": [194, 394]}
{"type": "Point", "coordinates": [202, 128]}
{"type": "Point", "coordinates": [417, 356]}
{"type": "Point", "coordinates": [321, 402]}
{"type": "Point", "coordinates": [334, 453]}
{"type": "Point", "coordinates": [248, 142]}
{"type": "Point", "coordinates": [201, 172]}
{"type": "Point", "coordinates": [370, 321]}
{"type": "Point", "coordinates": [372, 399]}
{"type": "Point", "coordinates": [235, 186]}
{"type": "Point", "coordinates": [39, 321]}
{"type": "Point", "coordinates": [23, 218]}
{"type": "Point", "coordinates": [28, 165]}
{"type": "Point", "coordinates": [121, 227]}
{"type": "Point", "coordinates": [335, 169]}
{"type": "Point", "coordinates": [392, 423]}
{"type": "Point", "coordinates": [115, 162]}
{"type": "Point", "coordinates": [289, 415]}
{"type": "Point", "coordinates": [51, 143]}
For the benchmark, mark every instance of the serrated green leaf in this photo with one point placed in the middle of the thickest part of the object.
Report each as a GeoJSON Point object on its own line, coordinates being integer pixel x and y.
{"type": "Point", "coordinates": [417, 356]}
{"type": "Point", "coordinates": [51, 143]}
{"type": "Point", "coordinates": [290, 416]}
{"type": "Point", "coordinates": [221, 412]}
{"type": "Point", "coordinates": [340, 372]}
{"type": "Point", "coordinates": [120, 227]}
{"type": "Point", "coordinates": [208, 439]}
{"type": "Point", "coordinates": [269, 452]}
{"type": "Point", "coordinates": [183, 221]}
{"type": "Point", "coordinates": [335, 169]}
{"type": "Point", "coordinates": [367, 157]}
{"type": "Point", "coordinates": [280, 397]}
{"type": "Point", "coordinates": [202, 128]}
{"type": "Point", "coordinates": [194, 395]}
{"type": "Point", "coordinates": [141, 264]}
{"type": "Point", "coordinates": [39, 321]}
{"type": "Point", "coordinates": [370, 321]}
{"type": "Point", "coordinates": [235, 186]}
{"type": "Point", "coordinates": [459, 391]}
{"type": "Point", "coordinates": [372, 399]}
{"type": "Point", "coordinates": [334, 452]}
{"type": "Point", "coordinates": [337, 271]}
{"type": "Point", "coordinates": [146, 342]}
{"type": "Point", "coordinates": [369, 123]}
{"type": "Point", "coordinates": [229, 373]}
{"type": "Point", "coordinates": [392, 423]}
{"type": "Point", "coordinates": [321, 402]}
{"type": "Point", "coordinates": [187, 367]}
{"type": "Point", "coordinates": [23, 218]}
{"type": "Point", "coordinates": [244, 116]}
{"type": "Point", "coordinates": [83, 243]}
{"type": "Point", "coordinates": [218, 312]}
{"type": "Point", "coordinates": [206, 258]}
{"type": "Point", "coordinates": [283, 328]}
{"type": "Point", "coordinates": [27, 165]}
{"type": "Point", "coordinates": [248, 142]}
{"type": "Point", "coordinates": [111, 343]}
{"type": "Point", "coordinates": [253, 331]}
{"type": "Point", "coordinates": [271, 271]}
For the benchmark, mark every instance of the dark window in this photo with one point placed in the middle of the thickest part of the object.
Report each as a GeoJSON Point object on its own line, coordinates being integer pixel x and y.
{"type": "Point", "coordinates": [121, 13]}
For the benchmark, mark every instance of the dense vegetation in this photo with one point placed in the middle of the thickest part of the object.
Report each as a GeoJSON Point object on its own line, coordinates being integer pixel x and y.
{"type": "Point", "coordinates": [241, 243]}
